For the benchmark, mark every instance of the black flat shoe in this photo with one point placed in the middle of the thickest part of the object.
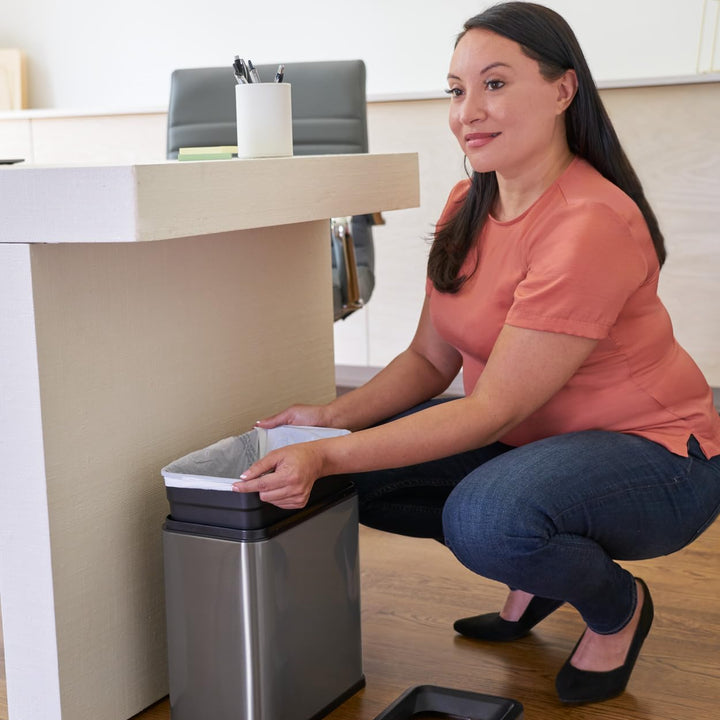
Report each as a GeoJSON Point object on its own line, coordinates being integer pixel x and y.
{"type": "Point", "coordinates": [492, 627]}
{"type": "Point", "coordinates": [585, 686]}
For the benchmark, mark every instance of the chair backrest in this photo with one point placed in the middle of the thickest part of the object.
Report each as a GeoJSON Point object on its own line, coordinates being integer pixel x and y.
{"type": "Point", "coordinates": [329, 116]}
{"type": "Point", "coordinates": [328, 107]}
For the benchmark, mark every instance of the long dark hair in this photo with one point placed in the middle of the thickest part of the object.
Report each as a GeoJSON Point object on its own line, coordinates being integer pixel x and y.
{"type": "Point", "coordinates": [545, 36]}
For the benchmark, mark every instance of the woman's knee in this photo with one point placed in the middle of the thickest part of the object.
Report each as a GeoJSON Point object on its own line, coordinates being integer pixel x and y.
{"type": "Point", "coordinates": [499, 517]}
{"type": "Point", "coordinates": [480, 526]}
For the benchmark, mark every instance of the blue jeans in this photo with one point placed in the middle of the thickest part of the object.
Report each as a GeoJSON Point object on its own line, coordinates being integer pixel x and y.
{"type": "Point", "coordinates": [551, 517]}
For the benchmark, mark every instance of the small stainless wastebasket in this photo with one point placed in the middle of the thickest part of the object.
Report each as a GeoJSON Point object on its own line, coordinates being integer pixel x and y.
{"type": "Point", "coordinates": [263, 608]}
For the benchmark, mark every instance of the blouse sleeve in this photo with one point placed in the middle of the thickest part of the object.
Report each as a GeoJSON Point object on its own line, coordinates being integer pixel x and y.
{"type": "Point", "coordinates": [580, 273]}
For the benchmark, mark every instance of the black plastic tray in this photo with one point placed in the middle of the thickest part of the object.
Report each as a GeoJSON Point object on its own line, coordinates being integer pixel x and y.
{"type": "Point", "coordinates": [447, 702]}
{"type": "Point", "coordinates": [242, 511]}
{"type": "Point", "coordinates": [223, 508]}
{"type": "Point", "coordinates": [245, 511]}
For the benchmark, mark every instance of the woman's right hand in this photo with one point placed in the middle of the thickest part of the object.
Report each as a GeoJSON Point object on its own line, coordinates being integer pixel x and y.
{"type": "Point", "coordinates": [312, 415]}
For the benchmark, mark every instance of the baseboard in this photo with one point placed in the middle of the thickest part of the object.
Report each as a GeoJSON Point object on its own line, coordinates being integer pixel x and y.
{"type": "Point", "coordinates": [352, 376]}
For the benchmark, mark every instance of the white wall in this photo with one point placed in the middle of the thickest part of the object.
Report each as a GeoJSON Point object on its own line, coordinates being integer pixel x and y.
{"type": "Point", "coordinates": [100, 54]}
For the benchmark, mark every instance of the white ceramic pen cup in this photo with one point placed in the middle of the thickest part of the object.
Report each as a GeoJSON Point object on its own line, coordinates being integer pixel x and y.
{"type": "Point", "coordinates": [264, 120]}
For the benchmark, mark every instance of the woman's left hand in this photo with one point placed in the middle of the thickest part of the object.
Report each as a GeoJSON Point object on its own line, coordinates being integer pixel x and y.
{"type": "Point", "coordinates": [285, 476]}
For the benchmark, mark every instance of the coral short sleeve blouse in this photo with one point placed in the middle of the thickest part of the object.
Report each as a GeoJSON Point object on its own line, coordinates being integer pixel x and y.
{"type": "Point", "coordinates": [581, 261]}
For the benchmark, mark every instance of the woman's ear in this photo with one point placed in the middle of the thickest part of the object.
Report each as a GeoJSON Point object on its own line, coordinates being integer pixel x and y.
{"type": "Point", "coordinates": [567, 87]}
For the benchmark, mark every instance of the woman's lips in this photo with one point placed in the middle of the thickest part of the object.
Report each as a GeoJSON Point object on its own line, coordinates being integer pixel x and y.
{"type": "Point", "coordinates": [475, 140]}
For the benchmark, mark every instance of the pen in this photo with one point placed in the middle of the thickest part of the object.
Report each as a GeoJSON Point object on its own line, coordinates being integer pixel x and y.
{"type": "Point", "coordinates": [280, 74]}
{"type": "Point", "coordinates": [240, 70]}
{"type": "Point", "coordinates": [252, 72]}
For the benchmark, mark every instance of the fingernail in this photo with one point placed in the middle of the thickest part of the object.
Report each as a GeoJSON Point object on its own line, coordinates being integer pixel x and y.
{"type": "Point", "coordinates": [243, 476]}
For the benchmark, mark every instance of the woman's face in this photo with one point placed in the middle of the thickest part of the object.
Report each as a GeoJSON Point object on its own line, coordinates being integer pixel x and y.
{"type": "Point", "coordinates": [506, 116]}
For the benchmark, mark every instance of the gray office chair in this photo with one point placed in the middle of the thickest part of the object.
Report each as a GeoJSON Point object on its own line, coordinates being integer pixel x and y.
{"type": "Point", "coordinates": [329, 117]}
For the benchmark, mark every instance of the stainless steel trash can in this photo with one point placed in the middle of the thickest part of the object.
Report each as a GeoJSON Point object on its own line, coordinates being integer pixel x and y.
{"type": "Point", "coordinates": [263, 611]}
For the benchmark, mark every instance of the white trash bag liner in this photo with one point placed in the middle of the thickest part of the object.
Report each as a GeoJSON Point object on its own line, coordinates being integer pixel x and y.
{"type": "Point", "coordinates": [218, 466]}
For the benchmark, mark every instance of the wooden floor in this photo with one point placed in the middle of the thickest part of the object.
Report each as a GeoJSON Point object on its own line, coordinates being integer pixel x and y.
{"type": "Point", "coordinates": [412, 590]}
{"type": "Point", "coordinates": [3, 690]}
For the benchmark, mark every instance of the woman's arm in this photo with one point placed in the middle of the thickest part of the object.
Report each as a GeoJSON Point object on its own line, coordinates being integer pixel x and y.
{"type": "Point", "coordinates": [419, 373]}
{"type": "Point", "coordinates": [525, 369]}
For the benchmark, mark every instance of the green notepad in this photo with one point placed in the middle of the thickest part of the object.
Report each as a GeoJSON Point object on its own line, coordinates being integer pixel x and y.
{"type": "Point", "coordinates": [219, 152]}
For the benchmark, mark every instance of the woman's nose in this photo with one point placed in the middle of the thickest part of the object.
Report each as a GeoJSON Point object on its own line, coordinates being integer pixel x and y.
{"type": "Point", "coordinates": [472, 108]}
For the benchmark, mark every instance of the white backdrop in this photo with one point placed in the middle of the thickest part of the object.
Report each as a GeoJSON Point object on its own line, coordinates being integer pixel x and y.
{"type": "Point", "coordinates": [89, 54]}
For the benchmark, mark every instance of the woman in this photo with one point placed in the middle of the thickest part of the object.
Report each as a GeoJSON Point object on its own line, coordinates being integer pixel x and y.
{"type": "Point", "coordinates": [587, 435]}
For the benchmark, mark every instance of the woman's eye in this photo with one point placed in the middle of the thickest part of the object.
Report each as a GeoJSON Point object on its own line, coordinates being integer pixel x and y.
{"type": "Point", "coordinates": [494, 84]}
{"type": "Point", "coordinates": [454, 92]}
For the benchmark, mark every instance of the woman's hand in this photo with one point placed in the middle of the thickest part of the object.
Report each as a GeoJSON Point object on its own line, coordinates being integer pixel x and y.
{"type": "Point", "coordinates": [285, 476]}
{"type": "Point", "coordinates": [312, 415]}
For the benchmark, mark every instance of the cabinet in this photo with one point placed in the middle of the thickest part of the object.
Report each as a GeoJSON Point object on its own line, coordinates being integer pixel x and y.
{"type": "Point", "coordinates": [145, 311]}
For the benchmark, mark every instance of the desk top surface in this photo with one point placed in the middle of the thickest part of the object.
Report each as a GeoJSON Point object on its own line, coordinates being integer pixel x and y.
{"type": "Point", "coordinates": [156, 201]}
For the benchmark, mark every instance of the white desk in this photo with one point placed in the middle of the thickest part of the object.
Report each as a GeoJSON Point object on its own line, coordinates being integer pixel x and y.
{"type": "Point", "coordinates": [145, 311]}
